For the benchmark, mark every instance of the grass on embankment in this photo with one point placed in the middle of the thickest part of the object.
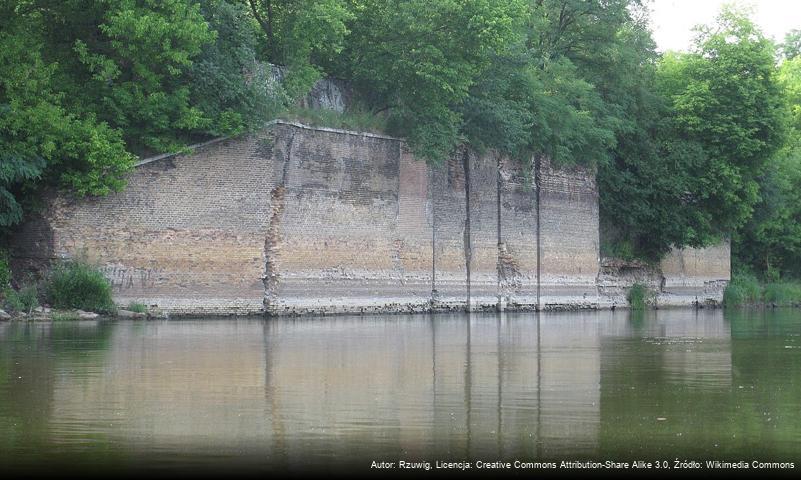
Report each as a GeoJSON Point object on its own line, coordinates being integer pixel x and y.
{"type": "Point", "coordinates": [353, 119]}
{"type": "Point", "coordinates": [746, 290]}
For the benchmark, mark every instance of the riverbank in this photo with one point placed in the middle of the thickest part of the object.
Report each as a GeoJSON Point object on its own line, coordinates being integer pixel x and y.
{"type": "Point", "coordinates": [746, 290]}
{"type": "Point", "coordinates": [57, 315]}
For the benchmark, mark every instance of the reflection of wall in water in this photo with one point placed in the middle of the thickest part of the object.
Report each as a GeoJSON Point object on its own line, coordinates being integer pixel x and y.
{"type": "Point", "coordinates": [168, 385]}
{"type": "Point", "coordinates": [438, 387]}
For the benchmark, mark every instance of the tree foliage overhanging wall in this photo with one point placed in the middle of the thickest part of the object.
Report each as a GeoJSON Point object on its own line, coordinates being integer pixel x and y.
{"type": "Point", "coordinates": [688, 147]}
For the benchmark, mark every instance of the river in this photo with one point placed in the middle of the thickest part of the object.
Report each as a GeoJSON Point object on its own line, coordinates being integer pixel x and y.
{"type": "Point", "coordinates": [342, 392]}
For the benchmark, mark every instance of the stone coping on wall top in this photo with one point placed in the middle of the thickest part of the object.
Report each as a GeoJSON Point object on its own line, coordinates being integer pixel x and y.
{"type": "Point", "coordinates": [213, 141]}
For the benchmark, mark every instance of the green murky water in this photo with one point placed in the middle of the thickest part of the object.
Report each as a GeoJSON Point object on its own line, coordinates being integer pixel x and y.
{"type": "Point", "coordinates": [256, 394]}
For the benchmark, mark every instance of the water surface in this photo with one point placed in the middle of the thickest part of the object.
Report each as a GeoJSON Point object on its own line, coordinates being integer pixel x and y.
{"type": "Point", "coordinates": [343, 391]}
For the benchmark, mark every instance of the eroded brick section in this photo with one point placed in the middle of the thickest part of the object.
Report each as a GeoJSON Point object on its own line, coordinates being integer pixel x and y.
{"type": "Point", "coordinates": [340, 245]}
{"type": "Point", "coordinates": [518, 249]}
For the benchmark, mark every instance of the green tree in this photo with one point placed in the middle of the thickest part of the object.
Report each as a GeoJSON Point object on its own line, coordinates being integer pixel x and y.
{"type": "Point", "coordinates": [39, 137]}
{"type": "Point", "coordinates": [712, 121]}
{"type": "Point", "coordinates": [791, 48]}
{"type": "Point", "coordinates": [418, 59]}
{"type": "Point", "coordinates": [730, 103]}
{"type": "Point", "coordinates": [126, 62]}
{"type": "Point", "coordinates": [303, 35]}
{"type": "Point", "coordinates": [86, 84]}
{"type": "Point", "coordinates": [770, 243]}
{"type": "Point", "coordinates": [228, 83]}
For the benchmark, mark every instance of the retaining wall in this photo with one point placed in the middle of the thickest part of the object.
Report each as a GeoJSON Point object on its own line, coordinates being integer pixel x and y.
{"type": "Point", "coordinates": [294, 220]}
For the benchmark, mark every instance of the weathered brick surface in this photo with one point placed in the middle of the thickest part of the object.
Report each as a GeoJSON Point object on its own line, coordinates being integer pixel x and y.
{"type": "Point", "coordinates": [187, 234]}
{"type": "Point", "coordinates": [686, 277]}
{"type": "Point", "coordinates": [483, 230]}
{"type": "Point", "coordinates": [569, 238]}
{"type": "Point", "coordinates": [300, 220]}
{"type": "Point", "coordinates": [340, 245]}
{"type": "Point", "coordinates": [696, 274]}
{"type": "Point", "coordinates": [450, 228]}
{"type": "Point", "coordinates": [518, 249]}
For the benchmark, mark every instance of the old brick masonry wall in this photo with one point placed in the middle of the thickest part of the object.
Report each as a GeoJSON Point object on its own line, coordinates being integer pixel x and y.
{"type": "Point", "coordinates": [306, 220]}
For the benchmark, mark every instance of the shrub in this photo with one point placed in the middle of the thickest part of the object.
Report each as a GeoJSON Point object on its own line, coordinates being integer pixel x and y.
{"type": "Point", "coordinates": [640, 296]}
{"type": "Point", "coordinates": [137, 307]}
{"type": "Point", "coordinates": [11, 301]}
{"type": "Point", "coordinates": [743, 289]}
{"type": "Point", "coordinates": [5, 271]}
{"type": "Point", "coordinates": [355, 118]}
{"type": "Point", "coordinates": [24, 300]}
{"type": "Point", "coordinates": [783, 293]}
{"type": "Point", "coordinates": [77, 284]}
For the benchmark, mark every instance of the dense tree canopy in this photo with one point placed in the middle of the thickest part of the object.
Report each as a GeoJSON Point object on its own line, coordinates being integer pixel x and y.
{"type": "Point", "coordinates": [85, 86]}
{"type": "Point", "coordinates": [689, 147]}
{"type": "Point", "coordinates": [714, 123]}
{"type": "Point", "coordinates": [770, 242]}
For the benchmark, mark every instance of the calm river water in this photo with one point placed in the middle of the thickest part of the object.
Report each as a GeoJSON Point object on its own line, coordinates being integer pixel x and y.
{"type": "Point", "coordinates": [344, 391]}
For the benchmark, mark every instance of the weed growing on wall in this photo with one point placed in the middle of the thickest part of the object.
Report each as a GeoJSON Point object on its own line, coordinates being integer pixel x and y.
{"type": "Point", "coordinates": [24, 300]}
{"type": "Point", "coordinates": [354, 119]}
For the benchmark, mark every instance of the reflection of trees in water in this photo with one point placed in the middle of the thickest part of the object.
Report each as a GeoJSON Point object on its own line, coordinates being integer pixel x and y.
{"type": "Point", "coordinates": [33, 354]}
{"type": "Point", "coordinates": [705, 386]}
{"type": "Point", "coordinates": [767, 406]}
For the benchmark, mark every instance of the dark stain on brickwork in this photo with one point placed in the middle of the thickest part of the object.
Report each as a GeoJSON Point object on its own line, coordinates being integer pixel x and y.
{"type": "Point", "coordinates": [32, 248]}
{"type": "Point", "coordinates": [455, 175]}
{"type": "Point", "coordinates": [125, 278]}
{"type": "Point", "coordinates": [265, 145]}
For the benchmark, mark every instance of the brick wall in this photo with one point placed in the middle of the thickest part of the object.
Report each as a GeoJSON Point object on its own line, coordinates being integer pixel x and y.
{"type": "Point", "coordinates": [696, 275]}
{"type": "Point", "coordinates": [298, 220]}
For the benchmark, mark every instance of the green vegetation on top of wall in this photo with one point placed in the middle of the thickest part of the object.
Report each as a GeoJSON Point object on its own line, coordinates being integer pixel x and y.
{"type": "Point", "coordinates": [353, 119]}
